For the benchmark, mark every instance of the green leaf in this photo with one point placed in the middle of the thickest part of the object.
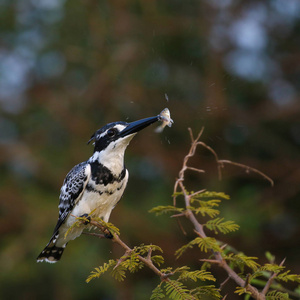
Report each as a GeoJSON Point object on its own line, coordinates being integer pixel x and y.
{"type": "Point", "coordinates": [101, 270]}
{"type": "Point", "coordinates": [241, 290]}
{"type": "Point", "coordinates": [207, 203]}
{"type": "Point", "coordinates": [205, 244]}
{"type": "Point", "coordinates": [167, 270]}
{"type": "Point", "coordinates": [158, 210]}
{"type": "Point", "coordinates": [205, 210]}
{"type": "Point", "coordinates": [132, 263]}
{"type": "Point", "coordinates": [196, 275]}
{"type": "Point", "coordinates": [212, 195]}
{"type": "Point", "coordinates": [218, 225]}
{"type": "Point", "coordinates": [270, 257]}
{"type": "Point", "coordinates": [272, 268]}
{"type": "Point", "coordinates": [157, 293]}
{"type": "Point", "coordinates": [275, 295]}
{"type": "Point", "coordinates": [241, 260]}
{"type": "Point", "coordinates": [119, 272]}
{"type": "Point", "coordinates": [206, 290]}
{"type": "Point", "coordinates": [177, 291]}
{"type": "Point", "coordinates": [286, 276]}
{"type": "Point", "coordinates": [208, 243]}
{"type": "Point", "coordinates": [157, 259]}
{"type": "Point", "coordinates": [181, 269]}
{"type": "Point", "coordinates": [144, 249]}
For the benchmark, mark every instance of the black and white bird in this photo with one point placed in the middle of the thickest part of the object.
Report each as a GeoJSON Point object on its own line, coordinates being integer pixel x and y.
{"type": "Point", "coordinates": [94, 186]}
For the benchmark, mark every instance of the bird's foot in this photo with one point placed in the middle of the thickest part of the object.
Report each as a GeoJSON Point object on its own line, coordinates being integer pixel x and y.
{"type": "Point", "coordinates": [87, 217]}
{"type": "Point", "coordinates": [108, 234]}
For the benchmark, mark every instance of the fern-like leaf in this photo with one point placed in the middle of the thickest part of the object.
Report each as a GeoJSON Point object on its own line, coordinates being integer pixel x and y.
{"type": "Point", "coordinates": [205, 210]}
{"type": "Point", "coordinates": [206, 290]}
{"type": "Point", "coordinates": [241, 290]}
{"type": "Point", "coordinates": [275, 295]}
{"type": "Point", "coordinates": [132, 263]}
{"type": "Point", "coordinates": [101, 270]}
{"type": "Point", "coordinates": [286, 276]}
{"type": "Point", "coordinates": [143, 249]}
{"type": "Point", "coordinates": [159, 210]}
{"type": "Point", "coordinates": [158, 260]}
{"type": "Point", "coordinates": [212, 195]}
{"type": "Point", "coordinates": [119, 272]}
{"type": "Point", "coordinates": [241, 260]}
{"type": "Point", "coordinates": [157, 293]}
{"type": "Point", "coordinates": [208, 243]}
{"type": "Point", "coordinates": [196, 275]}
{"type": "Point", "coordinates": [219, 225]}
{"type": "Point", "coordinates": [205, 244]}
{"type": "Point", "coordinates": [274, 268]}
{"type": "Point", "coordinates": [177, 291]}
{"type": "Point", "coordinates": [182, 249]}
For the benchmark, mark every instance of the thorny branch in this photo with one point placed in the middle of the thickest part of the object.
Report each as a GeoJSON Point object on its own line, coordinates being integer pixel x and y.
{"type": "Point", "coordinates": [146, 260]}
{"type": "Point", "coordinates": [269, 282]}
{"type": "Point", "coordinates": [179, 184]}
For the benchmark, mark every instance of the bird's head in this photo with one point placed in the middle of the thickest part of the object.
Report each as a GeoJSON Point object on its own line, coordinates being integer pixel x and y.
{"type": "Point", "coordinates": [117, 135]}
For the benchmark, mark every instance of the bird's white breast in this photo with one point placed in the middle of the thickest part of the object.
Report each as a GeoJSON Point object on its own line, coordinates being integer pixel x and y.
{"type": "Point", "coordinates": [100, 199]}
{"type": "Point", "coordinates": [99, 202]}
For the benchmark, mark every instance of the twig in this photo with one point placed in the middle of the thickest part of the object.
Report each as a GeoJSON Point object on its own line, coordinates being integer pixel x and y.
{"type": "Point", "coordinates": [147, 261]}
{"type": "Point", "coordinates": [269, 282]}
{"type": "Point", "coordinates": [196, 193]}
{"type": "Point", "coordinates": [248, 169]}
{"type": "Point", "coordinates": [224, 282]}
{"type": "Point", "coordinates": [195, 169]}
{"type": "Point", "coordinates": [98, 235]}
{"type": "Point", "coordinates": [178, 215]}
{"type": "Point", "coordinates": [211, 261]}
{"type": "Point", "coordinates": [211, 150]}
{"type": "Point", "coordinates": [123, 258]}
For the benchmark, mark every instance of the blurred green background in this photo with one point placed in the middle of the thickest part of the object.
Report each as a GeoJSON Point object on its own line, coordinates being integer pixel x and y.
{"type": "Point", "coordinates": [68, 67]}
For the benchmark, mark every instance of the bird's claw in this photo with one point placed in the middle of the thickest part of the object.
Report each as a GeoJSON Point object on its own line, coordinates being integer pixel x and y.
{"type": "Point", "coordinates": [87, 217]}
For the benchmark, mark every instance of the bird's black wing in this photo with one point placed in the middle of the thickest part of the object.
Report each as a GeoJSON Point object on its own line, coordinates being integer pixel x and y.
{"type": "Point", "coordinates": [71, 191]}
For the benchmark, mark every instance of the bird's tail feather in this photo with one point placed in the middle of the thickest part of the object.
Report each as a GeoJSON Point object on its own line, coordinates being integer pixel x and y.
{"type": "Point", "coordinates": [51, 253]}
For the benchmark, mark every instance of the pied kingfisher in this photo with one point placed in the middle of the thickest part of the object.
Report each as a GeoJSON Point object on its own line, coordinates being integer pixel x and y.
{"type": "Point", "coordinates": [94, 186]}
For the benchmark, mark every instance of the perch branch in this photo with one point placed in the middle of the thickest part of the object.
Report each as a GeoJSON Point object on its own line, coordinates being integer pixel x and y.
{"type": "Point", "coordinates": [146, 260]}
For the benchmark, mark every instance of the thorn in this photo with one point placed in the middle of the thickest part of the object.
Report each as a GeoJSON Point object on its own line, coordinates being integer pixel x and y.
{"type": "Point", "coordinates": [195, 169]}
{"type": "Point", "coordinates": [178, 215]}
{"type": "Point", "coordinates": [223, 246]}
{"type": "Point", "coordinates": [123, 258]}
{"type": "Point", "coordinates": [198, 192]}
{"type": "Point", "coordinates": [223, 284]}
{"type": "Point", "coordinates": [282, 263]}
{"type": "Point", "coordinates": [212, 261]}
{"type": "Point", "coordinates": [198, 233]}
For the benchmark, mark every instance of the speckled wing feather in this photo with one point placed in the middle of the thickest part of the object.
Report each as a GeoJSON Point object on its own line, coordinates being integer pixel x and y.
{"type": "Point", "coordinates": [71, 190]}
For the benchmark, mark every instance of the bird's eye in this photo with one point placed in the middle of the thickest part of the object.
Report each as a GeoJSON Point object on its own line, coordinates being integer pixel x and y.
{"type": "Point", "coordinates": [111, 132]}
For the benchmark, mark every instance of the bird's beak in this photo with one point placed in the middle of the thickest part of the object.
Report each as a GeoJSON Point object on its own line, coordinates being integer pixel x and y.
{"type": "Point", "coordinates": [136, 126]}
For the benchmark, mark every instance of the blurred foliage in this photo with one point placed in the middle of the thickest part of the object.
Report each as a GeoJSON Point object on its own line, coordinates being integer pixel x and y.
{"type": "Point", "coordinates": [69, 67]}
